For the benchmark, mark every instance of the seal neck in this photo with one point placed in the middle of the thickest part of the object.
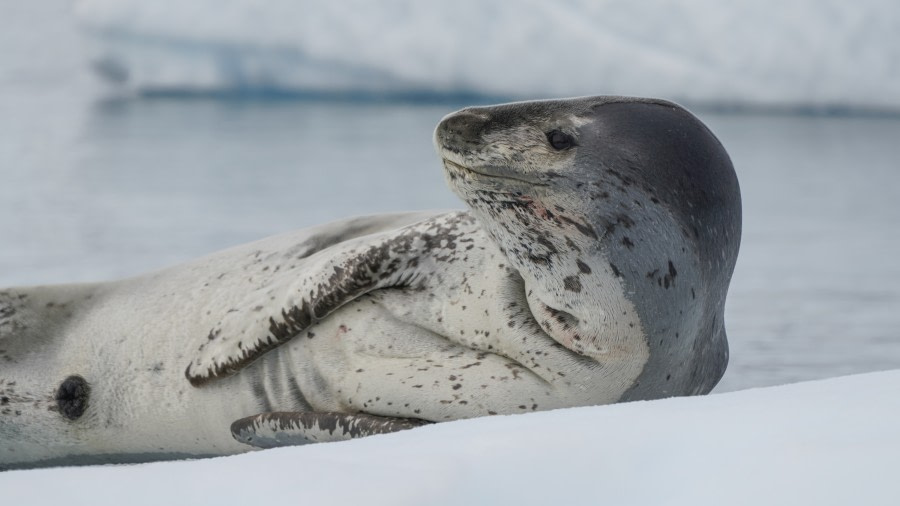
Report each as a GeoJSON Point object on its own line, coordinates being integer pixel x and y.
{"type": "Point", "coordinates": [575, 295]}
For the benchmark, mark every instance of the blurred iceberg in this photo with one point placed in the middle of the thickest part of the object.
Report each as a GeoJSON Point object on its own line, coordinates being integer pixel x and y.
{"type": "Point", "coordinates": [818, 54]}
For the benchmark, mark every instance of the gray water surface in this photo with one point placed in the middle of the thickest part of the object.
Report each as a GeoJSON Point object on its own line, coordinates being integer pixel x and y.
{"type": "Point", "coordinates": [97, 188]}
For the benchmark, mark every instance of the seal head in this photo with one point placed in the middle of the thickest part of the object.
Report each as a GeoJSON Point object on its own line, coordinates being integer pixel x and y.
{"type": "Point", "coordinates": [635, 188]}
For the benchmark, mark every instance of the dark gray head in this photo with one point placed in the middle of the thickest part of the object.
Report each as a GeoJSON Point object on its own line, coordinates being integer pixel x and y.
{"type": "Point", "coordinates": [641, 184]}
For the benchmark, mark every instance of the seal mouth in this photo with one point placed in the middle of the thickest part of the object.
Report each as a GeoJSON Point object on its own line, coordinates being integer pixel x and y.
{"type": "Point", "coordinates": [490, 172]}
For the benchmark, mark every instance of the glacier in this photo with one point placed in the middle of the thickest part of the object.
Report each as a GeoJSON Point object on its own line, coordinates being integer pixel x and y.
{"type": "Point", "coordinates": [798, 54]}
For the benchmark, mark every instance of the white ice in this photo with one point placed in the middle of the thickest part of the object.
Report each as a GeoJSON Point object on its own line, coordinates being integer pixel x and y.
{"type": "Point", "coordinates": [819, 54]}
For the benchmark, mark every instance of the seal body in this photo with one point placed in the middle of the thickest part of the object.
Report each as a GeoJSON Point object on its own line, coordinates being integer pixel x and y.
{"type": "Point", "coordinates": [591, 267]}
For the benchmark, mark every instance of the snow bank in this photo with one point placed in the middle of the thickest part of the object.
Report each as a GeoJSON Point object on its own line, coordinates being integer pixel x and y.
{"type": "Point", "coordinates": [800, 53]}
{"type": "Point", "coordinates": [826, 442]}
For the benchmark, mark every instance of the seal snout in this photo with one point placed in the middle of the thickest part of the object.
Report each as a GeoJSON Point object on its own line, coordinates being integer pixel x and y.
{"type": "Point", "coordinates": [460, 130]}
{"type": "Point", "coordinates": [72, 397]}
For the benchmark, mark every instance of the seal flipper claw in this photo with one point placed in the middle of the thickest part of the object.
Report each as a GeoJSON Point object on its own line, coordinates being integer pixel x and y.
{"type": "Point", "coordinates": [289, 428]}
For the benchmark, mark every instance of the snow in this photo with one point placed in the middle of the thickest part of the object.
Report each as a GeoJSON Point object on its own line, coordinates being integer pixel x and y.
{"type": "Point", "coordinates": [819, 54]}
{"type": "Point", "coordinates": [826, 442]}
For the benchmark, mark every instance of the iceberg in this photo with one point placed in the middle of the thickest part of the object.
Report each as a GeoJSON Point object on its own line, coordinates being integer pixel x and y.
{"type": "Point", "coordinates": [812, 54]}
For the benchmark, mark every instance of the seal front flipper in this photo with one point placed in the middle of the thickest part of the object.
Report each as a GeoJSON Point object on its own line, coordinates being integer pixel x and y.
{"type": "Point", "coordinates": [287, 304]}
{"type": "Point", "coordinates": [270, 430]}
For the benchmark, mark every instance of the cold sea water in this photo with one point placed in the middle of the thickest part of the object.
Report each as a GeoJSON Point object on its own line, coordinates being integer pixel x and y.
{"type": "Point", "coordinates": [95, 186]}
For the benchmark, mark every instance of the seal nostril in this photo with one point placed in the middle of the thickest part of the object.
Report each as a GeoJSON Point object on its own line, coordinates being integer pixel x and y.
{"type": "Point", "coordinates": [72, 397]}
{"type": "Point", "coordinates": [462, 127]}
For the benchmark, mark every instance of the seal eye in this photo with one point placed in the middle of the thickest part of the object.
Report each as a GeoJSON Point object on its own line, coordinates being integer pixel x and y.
{"type": "Point", "coordinates": [72, 397]}
{"type": "Point", "coordinates": [560, 140]}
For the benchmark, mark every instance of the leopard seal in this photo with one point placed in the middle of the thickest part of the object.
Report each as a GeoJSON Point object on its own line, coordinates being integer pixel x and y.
{"type": "Point", "coordinates": [591, 267]}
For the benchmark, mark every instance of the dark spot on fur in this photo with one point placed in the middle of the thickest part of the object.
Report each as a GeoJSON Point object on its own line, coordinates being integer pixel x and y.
{"type": "Point", "coordinates": [624, 220]}
{"type": "Point", "coordinates": [626, 241]}
{"type": "Point", "coordinates": [615, 270]}
{"type": "Point", "coordinates": [572, 284]}
{"type": "Point", "coordinates": [543, 241]}
{"type": "Point", "coordinates": [584, 228]}
{"type": "Point", "coordinates": [583, 267]}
